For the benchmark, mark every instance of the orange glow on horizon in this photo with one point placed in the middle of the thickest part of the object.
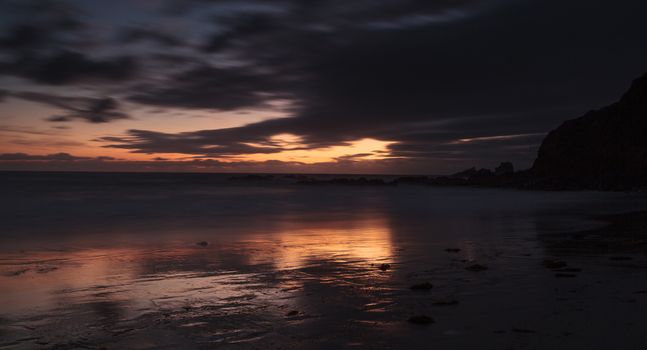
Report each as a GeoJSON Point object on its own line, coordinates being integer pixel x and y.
{"type": "Point", "coordinates": [294, 150]}
{"type": "Point", "coordinates": [364, 149]}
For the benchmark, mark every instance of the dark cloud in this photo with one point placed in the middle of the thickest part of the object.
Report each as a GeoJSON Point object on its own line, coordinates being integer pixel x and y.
{"type": "Point", "coordinates": [53, 143]}
{"type": "Point", "coordinates": [47, 42]}
{"type": "Point", "coordinates": [423, 75]}
{"type": "Point", "coordinates": [237, 29]}
{"type": "Point", "coordinates": [217, 88]}
{"type": "Point", "coordinates": [351, 157]}
{"type": "Point", "coordinates": [150, 142]}
{"type": "Point", "coordinates": [497, 74]}
{"type": "Point", "coordinates": [28, 130]}
{"type": "Point", "coordinates": [93, 110]}
{"type": "Point", "coordinates": [69, 67]}
{"type": "Point", "coordinates": [35, 24]}
{"type": "Point", "coordinates": [278, 47]}
{"type": "Point", "coordinates": [17, 161]}
{"type": "Point", "coordinates": [138, 34]}
{"type": "Point", "coordinates": [58, 119]}
{"type": "Point", "coordinates": [24, 37]}
{"type": "Point", "coordinates": [49, 157]}
{"type": "Point", "coordinates": [29, 37]}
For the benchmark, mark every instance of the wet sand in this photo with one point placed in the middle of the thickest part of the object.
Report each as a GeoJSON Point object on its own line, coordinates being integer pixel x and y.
{"type": "Point", "coordinates": [295, 268]}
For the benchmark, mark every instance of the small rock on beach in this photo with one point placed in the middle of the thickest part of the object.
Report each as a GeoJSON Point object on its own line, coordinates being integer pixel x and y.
{"type": "Point", "coordinates": [421, 319]}
{"type": "Point", "coordinates": [554, 264]}
{"type": "Point", "coordinates": [422, 286]}
{"type": "Point", "coordinates": [476, 268]}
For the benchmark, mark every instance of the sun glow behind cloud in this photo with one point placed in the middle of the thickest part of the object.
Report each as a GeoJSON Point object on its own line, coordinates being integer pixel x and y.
{"type": "Point", "coordinates": [289, 148]}
{"type": "Point", "coordinates": [294, 150]}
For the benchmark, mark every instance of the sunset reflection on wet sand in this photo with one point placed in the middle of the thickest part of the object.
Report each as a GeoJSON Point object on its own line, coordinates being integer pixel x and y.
{"type": "Point", "coordinates": [37, 280]}
{"type": "Point", "coordinates": [291, 272]}
{"type": "Point", "coordinates": [263, 276]}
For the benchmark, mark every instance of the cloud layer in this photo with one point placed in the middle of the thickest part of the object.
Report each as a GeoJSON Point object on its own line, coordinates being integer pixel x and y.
{"type": "Point", "coordinates": [93, 110]}
{"type": "Point", "coordinates": [450, 83]}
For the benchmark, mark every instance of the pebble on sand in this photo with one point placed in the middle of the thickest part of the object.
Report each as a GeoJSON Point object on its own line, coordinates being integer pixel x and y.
{"type": "Point", "coordinates": [565, 275]}
{"type": "Point", "coordinates": [476, 268]}
{"type": "Point", "coordinates": [620, 258]}
{"type": "Point", "coordinates": [523, 330]}
{"type": "Point", "coordinates": [203, 243]}
{"type": "Point", "coordinates": [445, 303]}
{"type": "Point", "coordinates": [570, 269]}
{"type": "Point", "coordinates": [384, 267]}
{"type": "Point", "coordinates": [554, 264]}
{"type": "Point", "coordinates": [292, 313]}
{"type": "Point", "coordinates": [421, 319]}
{"type": "Point", "coordinates": [422, 286]}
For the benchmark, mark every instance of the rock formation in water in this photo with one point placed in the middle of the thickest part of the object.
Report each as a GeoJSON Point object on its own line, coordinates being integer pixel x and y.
{"type": "Point", "coordinates": [465, 174]}
{"type": "Point", "coordinates": [505, 168]}
{"type": "Point", "coordinates": [604, 149]}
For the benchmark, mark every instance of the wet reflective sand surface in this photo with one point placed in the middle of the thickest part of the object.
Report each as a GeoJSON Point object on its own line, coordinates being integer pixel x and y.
{"type": "Point", "coordinates": [291, 267]}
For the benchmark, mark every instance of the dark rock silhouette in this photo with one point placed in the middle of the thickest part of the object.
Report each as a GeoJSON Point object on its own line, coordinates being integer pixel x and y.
{"type": "Point", "coordinates": [604, 149]}
{"type": "Point", "coordinates": [481, 174]}
{"type": "Point", "coordinates": [252, 177]}
{"type": "Point", "coordinates": [504, 175]}
{"type": "Point", "coordinates": [505, 168]}
{"type": "Point", "coordinates": [413, 180]}
{"type": "Point", "coordinates": [362, 181]}
{"type": "Point", "coordinates": [448, 181]}
{"type": "Point", "coordinates": [465, 174]}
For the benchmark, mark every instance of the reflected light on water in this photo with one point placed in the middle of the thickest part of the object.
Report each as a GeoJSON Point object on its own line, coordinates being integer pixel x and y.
{"type": "Point", "coordinates": [364, 241]}
{"type": "Point", "coordinates": [173, 275]}
{"type": "Point", "coordinates": [294, 272]}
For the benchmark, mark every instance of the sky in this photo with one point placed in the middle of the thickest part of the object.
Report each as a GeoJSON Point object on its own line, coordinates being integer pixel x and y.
{"type": "Point", "coordinates": [304, 86]}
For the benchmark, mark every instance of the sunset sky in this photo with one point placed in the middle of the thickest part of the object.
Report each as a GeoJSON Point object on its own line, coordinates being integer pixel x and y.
{"type": "Point", "coordinates": [320, 86]}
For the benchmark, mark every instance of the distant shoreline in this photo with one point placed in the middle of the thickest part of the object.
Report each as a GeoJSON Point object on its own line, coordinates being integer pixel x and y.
{"type": "Point", "coordinates": [521, 180]}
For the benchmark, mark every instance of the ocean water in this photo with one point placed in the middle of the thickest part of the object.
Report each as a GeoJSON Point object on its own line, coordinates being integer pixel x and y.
{"type": "Point", "coordinates": [197, 261]}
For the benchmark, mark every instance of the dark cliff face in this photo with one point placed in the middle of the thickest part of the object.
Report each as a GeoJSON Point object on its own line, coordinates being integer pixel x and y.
{"type": "Point", "coordinates": [606, 148]}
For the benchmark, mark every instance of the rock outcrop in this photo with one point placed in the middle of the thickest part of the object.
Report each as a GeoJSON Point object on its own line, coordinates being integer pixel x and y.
{"type": "Point", "coordinates": [465, 174]}
{"type": "Point", "coordinates": [604, 149]}
{"type": "Point", "coordinates": [505, 168]}
{"type": "Point", "coordinates": [362, 181]}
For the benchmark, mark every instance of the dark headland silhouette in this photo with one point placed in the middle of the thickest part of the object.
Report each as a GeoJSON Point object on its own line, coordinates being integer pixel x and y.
{"type": "Point", "coordinates": [605, 149]}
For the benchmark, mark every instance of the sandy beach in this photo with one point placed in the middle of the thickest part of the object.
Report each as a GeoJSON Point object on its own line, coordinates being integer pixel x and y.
{"type": "Point", "coordinates": [320, 268]}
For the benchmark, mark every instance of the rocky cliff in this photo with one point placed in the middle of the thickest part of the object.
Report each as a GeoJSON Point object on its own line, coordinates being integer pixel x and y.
{"type": "Point", "coordinates": [604, 149]}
